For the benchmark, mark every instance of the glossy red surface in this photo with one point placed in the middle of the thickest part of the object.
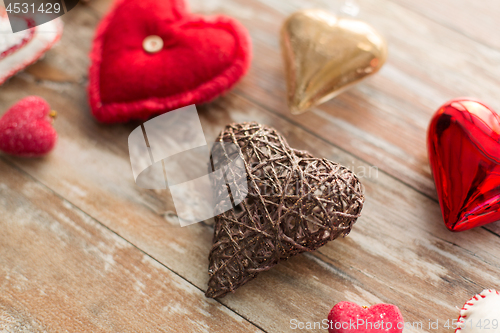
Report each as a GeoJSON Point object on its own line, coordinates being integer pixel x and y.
{"type": "Point", "coordinates": [464, 153]}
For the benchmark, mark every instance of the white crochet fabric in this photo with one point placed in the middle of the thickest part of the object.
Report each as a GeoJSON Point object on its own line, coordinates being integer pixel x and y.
{"type": "Point", "coordinates": [44, 37]}
{"type": "Point", "coordinates": [481, 314]}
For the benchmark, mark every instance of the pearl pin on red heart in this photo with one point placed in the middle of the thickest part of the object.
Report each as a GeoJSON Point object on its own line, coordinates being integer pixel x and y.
{"type": "Point", "coordinates": [152, 44]}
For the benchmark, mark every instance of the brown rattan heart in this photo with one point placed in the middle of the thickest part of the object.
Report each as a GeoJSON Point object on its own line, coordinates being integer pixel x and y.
{"type": "Point", "coordinates": [295, 203]}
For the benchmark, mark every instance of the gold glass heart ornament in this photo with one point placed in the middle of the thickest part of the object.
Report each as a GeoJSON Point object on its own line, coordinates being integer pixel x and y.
{"type": "Point", "coordinates": [325, 54]}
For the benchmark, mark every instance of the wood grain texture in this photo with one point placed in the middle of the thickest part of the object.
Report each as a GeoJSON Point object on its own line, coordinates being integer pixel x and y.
{"type": "Point", "coordinates": [399, 251]}
{"type": "Point", "coordinates": [62, 271]}
{"type": "Point", "coordinates": [477, 20]}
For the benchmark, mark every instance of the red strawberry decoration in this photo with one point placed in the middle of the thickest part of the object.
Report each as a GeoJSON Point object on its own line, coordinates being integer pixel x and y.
{"type": "Point", "coordinates": [347, 317]}
{"type": "Point", "coordinates": [152, 56]}
{"type": "Point", "coordinates": [26, 128]}
{"type": "Point", "coordinates": [464, 153]}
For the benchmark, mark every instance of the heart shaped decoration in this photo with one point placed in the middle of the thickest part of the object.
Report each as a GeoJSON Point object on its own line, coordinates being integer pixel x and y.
{"type": "Point", "coordinates": [347, 317]}
{"type": "Point", "coordinates": [294, 203]}
{"type": "Point", "coordinates": [480, 314]}
{"type": "Point", "coordinates": [464, 154]}
{"type": "Point", "coordinates": [21, 49]}
{"type": "Point", "coordinates": [26, 128]}
{"type": "Point", "coordinates": [324, 55]}
{"type": "Point", "coordinates": [150, 57]}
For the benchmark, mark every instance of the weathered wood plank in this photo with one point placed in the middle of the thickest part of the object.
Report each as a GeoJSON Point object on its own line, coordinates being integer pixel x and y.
{"type": "Point", "coordinates": [399, 252]}
{"type": "Point", "coordinates": [476, 19]}
{"type": "Point", "coordinates": [384, 119]}
{"type": "Point", "coordinates": [62, 271]}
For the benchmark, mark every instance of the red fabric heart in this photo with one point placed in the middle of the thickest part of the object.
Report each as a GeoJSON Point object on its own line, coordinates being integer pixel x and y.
{"type": "Point", "coordinates": [347, 317]}
{"type": "Point", "coordinates": [26, 128]}
{"type": "Point", "coordinates": [464, 154]}
{"type": "Point", "coordinates": [202, 57]}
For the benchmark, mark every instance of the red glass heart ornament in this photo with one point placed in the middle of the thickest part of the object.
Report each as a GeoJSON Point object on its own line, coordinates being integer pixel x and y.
{"type": "Point", "coordinates": [347, 317]}
{"type": "Point", "coordinates": [464, 153]}
{"type": "Point", "coordinates": [26, 128]}
{"type": "Point", "coordinates": [150, 57]}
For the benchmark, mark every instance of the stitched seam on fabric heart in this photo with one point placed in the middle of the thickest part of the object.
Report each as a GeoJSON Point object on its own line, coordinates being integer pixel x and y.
{"type": "Point", "coordinates": [36, 57]}
{"type": "Point", "coordinates": [108, 112]}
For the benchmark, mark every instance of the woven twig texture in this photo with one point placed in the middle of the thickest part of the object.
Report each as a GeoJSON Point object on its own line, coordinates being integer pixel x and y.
{"type": "Point", "coordinates": [295, 203]}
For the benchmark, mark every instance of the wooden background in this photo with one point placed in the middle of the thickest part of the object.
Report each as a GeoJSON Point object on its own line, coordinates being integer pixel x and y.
{"type": "Point", "coordinates": [83, 249]}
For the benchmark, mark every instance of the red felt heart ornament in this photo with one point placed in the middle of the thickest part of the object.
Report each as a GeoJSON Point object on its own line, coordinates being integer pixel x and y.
{"type": "Point", "coordinates": [347, 317]}
{"type": "Point", "coordinates": [464, 154]}
{"type": "Point", "coordinates": [198, 59]}
{"type": "Point", "coordinates": [26, 128]}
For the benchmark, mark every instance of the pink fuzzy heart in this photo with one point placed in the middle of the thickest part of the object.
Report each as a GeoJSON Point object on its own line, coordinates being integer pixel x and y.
{"type": "Point", "coordinates": [26, 128]}
{"type": "Point", "coordinates": [347, 317]}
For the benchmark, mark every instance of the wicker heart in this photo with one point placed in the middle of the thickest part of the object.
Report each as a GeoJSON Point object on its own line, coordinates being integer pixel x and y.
{"type": "Point", "coordinates": [295, 203]}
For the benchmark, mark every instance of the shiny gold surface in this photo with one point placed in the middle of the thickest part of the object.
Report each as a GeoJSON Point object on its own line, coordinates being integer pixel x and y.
{"type": "Point", "coordinates": [324, 55]}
